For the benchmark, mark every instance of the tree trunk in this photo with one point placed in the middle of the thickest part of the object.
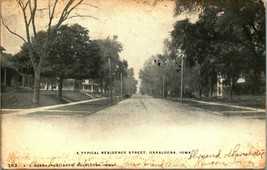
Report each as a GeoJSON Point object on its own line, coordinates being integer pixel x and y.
{"type": "Point", "coordinates": [200, 92]}
{"type": "Point", "coordinates": [210, 86]}
{"type": "Point", "coordinates": [17, 78]}
{"type": "Point", "coordinates": [36, 91]}
{"type": "Point", "coordinates": [231, 92]}
{"type": "Point", "coordinates": [101, 86]}
{"type": "Point", "coordinates": [232, 89]}
{"type": "Point", "coordinates": [60, 86]}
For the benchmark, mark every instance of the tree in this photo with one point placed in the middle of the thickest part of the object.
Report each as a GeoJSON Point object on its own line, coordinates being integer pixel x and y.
{"type": "Point", "coordinates": [110, 49]}
{"type": "Point", "coordinates": [225, 38]}
{"type": "Point", "coordinates": [29, 8]}
{"type": "Point", "coordinates": [244, 27]}
{"type": "Point", "coordinates": [148, 77]}
{"type": "Point", "coordinates": [73, 55]}
{"type": "Point", "coordinates": [23, 62]}
{"type": "Point", "coordinates": [151, 75]}
{"type": "Point", "coordinates": [130, 82]}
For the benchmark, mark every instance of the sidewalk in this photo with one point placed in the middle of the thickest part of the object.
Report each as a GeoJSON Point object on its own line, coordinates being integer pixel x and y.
{"type": "Point", "coordinates": [227, 105]}
{"type": "Point", "coordinates": [49, 108]}
{"type": "Point", "coordinates": [225, 109]}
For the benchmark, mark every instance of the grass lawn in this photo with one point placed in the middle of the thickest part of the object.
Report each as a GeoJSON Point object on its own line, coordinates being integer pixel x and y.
{"type": "Point", "coordinates": [19, 98]}
{"type": "Point", "coordinates": [258, 102]}
{"type": "Point", "coordinates": [74, 96]}
{"type": "Point", "coordinates": [244, 100]}
{"type": "Point", "coordinates": [213, 107]}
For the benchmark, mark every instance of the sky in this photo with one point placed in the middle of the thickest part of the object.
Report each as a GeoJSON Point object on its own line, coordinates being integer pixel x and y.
{"type": "Point", "coordinates": [141, 25]}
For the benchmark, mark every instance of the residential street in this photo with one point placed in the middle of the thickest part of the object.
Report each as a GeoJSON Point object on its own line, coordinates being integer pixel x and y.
{"type": "Point", "coordinates": [140, 123]}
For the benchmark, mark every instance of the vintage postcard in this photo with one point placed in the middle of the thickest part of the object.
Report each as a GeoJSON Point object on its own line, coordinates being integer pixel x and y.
{"type": "Point", "coordinates": [133, 84]}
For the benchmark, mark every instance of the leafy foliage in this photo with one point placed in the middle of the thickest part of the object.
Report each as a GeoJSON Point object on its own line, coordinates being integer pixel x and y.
{"type": "Point", "coordinates": [157, 68]}
{"type": "Point", "coordinates": [72, 55]}
{"type": "Point", "coordinates": [228, 38]}
{"type": "Point", "coordinates": [109, 50]}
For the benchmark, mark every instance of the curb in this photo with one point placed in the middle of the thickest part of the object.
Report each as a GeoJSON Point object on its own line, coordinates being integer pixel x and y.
{"type": "Point", "coordinates": [101, 108]}
{"type": "Point", "coordinates": [31, 110]}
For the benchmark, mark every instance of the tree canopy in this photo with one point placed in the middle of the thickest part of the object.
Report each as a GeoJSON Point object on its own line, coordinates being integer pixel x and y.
{"type": "Point", "coordinates": [72, 55]}
{"type": "Point", "coordinates": [110, 50]}
{"type": "Point", "coordinates": [28, 13]}
{"type": "Point", "coordinates": [227, 39]}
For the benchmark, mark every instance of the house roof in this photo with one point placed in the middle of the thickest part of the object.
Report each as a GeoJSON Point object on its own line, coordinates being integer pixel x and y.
{"type": "Point", "coordinates": [7, 61]}
{"type": "Point", "coordinates": [2, 48]}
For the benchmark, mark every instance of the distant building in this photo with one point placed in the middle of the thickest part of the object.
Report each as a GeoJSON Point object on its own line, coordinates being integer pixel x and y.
{"type": "Point", "coordinates": [224, 90]}
{"type": "Point", "coordinates": [87, 85]}
{"type": "Point", "coordinates": [90, 85]}
{"type": "Point", "coordinates": [220, 86]}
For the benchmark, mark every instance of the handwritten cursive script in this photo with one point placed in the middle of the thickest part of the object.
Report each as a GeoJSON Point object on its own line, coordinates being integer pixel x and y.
{"type": "Point", "coordinates": [235, 157]}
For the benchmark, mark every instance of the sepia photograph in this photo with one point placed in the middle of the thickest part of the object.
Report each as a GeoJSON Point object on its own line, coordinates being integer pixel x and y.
{"type": "Point", "coordinates": [133, 84]}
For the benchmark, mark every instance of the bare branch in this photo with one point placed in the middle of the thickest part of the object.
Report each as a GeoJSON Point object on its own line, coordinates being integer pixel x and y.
{"type": "Point", "coordinates": [51, 14]}
{"type": "Point", "coordinates": [82, 16]}
{"type": "Point", "coordinates": [27, 3]}
{"type": "Point", "coordinates": [54, 8]}
{"type": "Point", "coordinates": [65, 14]}
{"type": "Point", "coordinates": [27, 28]}
{"type": "Point", "coordinates": [23, 7]}
{"type": "Point", "coordinates": [51, 17]}
{"type": "Point", "coordinates": [85, 9]}
{"type": "Point", "coordinates": [20, 4]}
{"type": "Point", "coordinates": [49, 8]}
{"type": "Point", "coordinates": [67, 10]}
{"type": "Point", "coordinates": [12, 32]}
{"type": "Point", "coordinates": [24, 12]}
{"type": "Point", "coordinates": [90, 5]}
{"type": "Point", "coordinates": [75, 5]}
{"type": "Point", "coordinates": [32, 18]}
{"type": "Point", "coordinates": [42, 9]}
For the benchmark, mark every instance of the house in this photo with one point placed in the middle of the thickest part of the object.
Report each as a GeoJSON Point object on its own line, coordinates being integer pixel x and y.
{"type": "Point", "coordinates": [87, 85]}
{"type": "Point", "coordinates": [8, 69]}
{"type": "Point", "coordinates": [71, 85]}
{"type": "Point", "coordinates": [223, 90]}
{"type": "Point", "coordinates": [220, 86]}
{"type": "Point", "coordinates": [10, 76]}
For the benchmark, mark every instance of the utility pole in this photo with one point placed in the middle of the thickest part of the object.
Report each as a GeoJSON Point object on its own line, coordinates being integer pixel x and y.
{"type": "Point", "coordinates": [121, 84]}
{"type": "Point", "coordinates": [110, 81]}
{"type": "Point", "coordinates": [182, 73]}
